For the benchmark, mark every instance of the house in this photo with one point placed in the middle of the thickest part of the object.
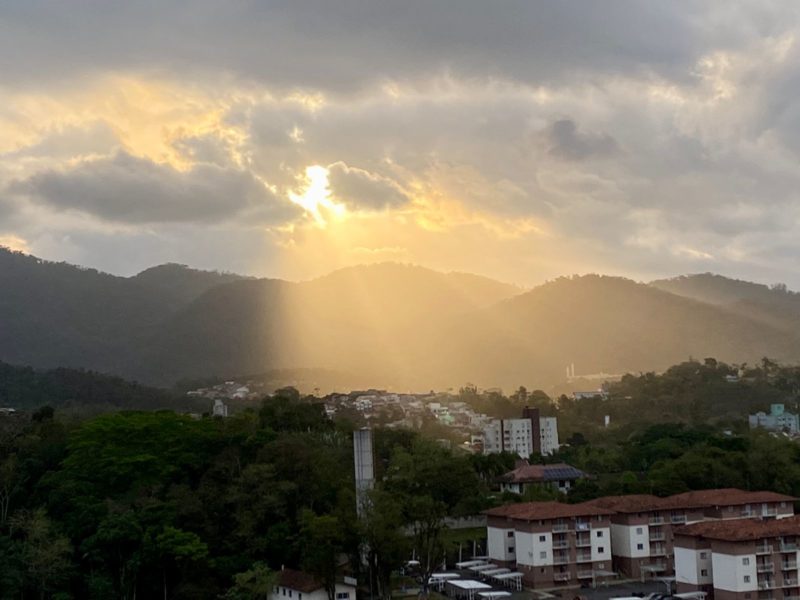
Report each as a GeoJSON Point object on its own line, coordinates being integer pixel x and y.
{"type": "Point", "coordinates": [739, 559]}
{"type": "Point", "coordinates": [559, 476]}
{"type": "Point", "coordinates": [298, 585]}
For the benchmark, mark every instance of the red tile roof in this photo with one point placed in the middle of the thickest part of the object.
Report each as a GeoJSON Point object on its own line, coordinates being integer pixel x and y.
{"type": "Point", "coordinates": [741, 530]}
{"type": "Point", "coordinates": [724, 497]}
{"type": "Point", "coordinates": [298, 580]}
{"type": "Point", "coordinates": [631, 503]}
{"type": "Point", "coordinates": [542, 511]}
{"type": "Point", "coordinates": [526, 473]}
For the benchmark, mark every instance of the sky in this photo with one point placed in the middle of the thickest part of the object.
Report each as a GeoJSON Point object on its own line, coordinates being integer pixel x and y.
{"type": "Point", "coordinates": [521, 140]}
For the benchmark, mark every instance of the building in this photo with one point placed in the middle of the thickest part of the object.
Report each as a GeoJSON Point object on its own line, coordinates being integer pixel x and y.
{"type": "Point", "coordinates": [552, 544]}
{"type": "Point", "coordinates": [529, 435]}
{"type": "Point", "coordinates": [298, 585]}
{"type": "Point", "coordinates": [220, 408]}
{"type": "Point", "coordinates": [778, 419]}
{"type": "Point", "coordinates": [642, 525]}
{"type": "Point", "coordinates": [548, 434]}
{"type": "Point", "coordinates": [739, 559]}
{"type": "Point", "coordinates": [571, 546]}
{"type": "Point", "coordinates": [559, 476]}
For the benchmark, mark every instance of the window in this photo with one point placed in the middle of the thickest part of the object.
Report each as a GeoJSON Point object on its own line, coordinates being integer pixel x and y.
{"type": "Point", "coordinates": [640, 546]}
{"type": "Point", "coordinates": [342, 595]}
{"type": "Point", "coordinates": [747, 578]}
{"type": "Point", "coordinates": [745, 561]}
{"type": "Point", "coordinates": [283, 591]}
{"type": "Point", "coordinates": [704, 555]}
{"type": "Point", "coordinates": [299, 595]}
{"type": "Point", "coordinates": [510, 534]}
{"type": "Point", "coordinates": [600, 550]}
{"type": "Point", "coordinates": [639, 531]}
{"type": "Point", "coordinates": [703, 572]}
{"type": "Point", "coordinates": [511, 549]}
{"type": "Point", "coordinates": [599, 534]}
{"type": "Point", "coordinates": [290, 593]}
{"type": "Point", "coordinates": [783, 504]}
{"type": "Point", "coordinates": [601, 566]}
{"type": "Point", "coordinates": [541, 570]}
{"type": "Point", "coordinates": [542, 538]}
{"type": "Point", "coordinates": [542, 554]}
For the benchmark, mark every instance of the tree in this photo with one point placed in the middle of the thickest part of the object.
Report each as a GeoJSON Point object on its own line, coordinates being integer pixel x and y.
{"type": "Point", "coordinates": [254, 584]}
{"type": "Point", "coordinates": [321, 537]}
{"type": "Point", "coordinates": [386, 544]}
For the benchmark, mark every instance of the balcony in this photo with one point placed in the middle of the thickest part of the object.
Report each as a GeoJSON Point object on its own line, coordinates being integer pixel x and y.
{"type": "Point", "coordinates": [767, 584]}
{"type": "Point", "coordinates": [769, 512]}
{"type": "Point", "coordinates": [792, 597]}
{"type": "Point", "coordinates": [583, 542]}
{"type": "Point", "coordinates": [788, 547]}
{"type": "Point", "coordinates": [560, 544]}
{"type": "Point", "coordinates": [585, 574]}
{"type": "Point", "coordinates": [658, 550]}
{"type": "Point", "coordinates": [583, 526]}
{"type": "Point", "coordinates": [656, 520]}
{"type": "Point", "coordinates": [789, 565]}
{"type": "Point", "coordinates": [657, 536]}
{"type": "Point", "coordinates": [561, 577]}
{"type": "Point", "coordinates": [789, 582]}
{"type": "Point", "coordinates": [584, 557]}
{"type": "Point", "coordinates": [560, 527]}
{"type": "Point", "coordinates": [560, 559]}
{"type": "Point", "coordinates": [677, 519]}
{"type": "Point", "coordinates": [764, 549]}
{"type": "Point", "coordinates": [765, 567]}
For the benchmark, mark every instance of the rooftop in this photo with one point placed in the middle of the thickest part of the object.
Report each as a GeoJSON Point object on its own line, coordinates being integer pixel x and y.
{"type": "Point", "coordinates": [298, 580]}
{"type": "Point", "coordinates": [696, 499]}
{"type": "Point", "coordinates": [532, 473]}
{"type": "Point", "coordinates": [535, 511]}
{"type": "Point", "coordinates": [740, 530]}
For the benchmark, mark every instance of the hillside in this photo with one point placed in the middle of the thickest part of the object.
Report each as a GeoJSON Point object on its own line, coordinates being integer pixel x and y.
{"type": "Point", "coordinates": [27, 388]}
{"type": "Point", "coordinates": [386, 325]}
{"type": "Point", "coordinates": [774, 305]}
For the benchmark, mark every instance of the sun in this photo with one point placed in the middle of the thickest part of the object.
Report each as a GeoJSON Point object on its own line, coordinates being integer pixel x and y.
{"type": "Point", "coordinates": [316, 196]}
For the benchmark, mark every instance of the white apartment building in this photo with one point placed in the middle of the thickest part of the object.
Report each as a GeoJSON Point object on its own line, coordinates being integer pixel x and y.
{"type": "Point", "coordinates": [526, 436]}
{"type": "Point", "coordinates": [548, 427]}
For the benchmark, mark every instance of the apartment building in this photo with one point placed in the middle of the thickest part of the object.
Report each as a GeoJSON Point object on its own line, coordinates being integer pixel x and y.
{"type": "Point", "coordinates": [552, 544]}
{"type": "Point", "coordinates": [778, 419]}
{"type": "Point", "coordinates": [555, 544]}
{"type": "Point", "coordinates": [526, 436]}
{"type": "Point", "coordinates": [642, 526]}
{"type": "Point", "coordinates": [739, 559]}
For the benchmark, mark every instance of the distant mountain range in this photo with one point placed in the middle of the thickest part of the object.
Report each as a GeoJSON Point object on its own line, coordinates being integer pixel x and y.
{"type": "Point", "coordinates": [385, 325]}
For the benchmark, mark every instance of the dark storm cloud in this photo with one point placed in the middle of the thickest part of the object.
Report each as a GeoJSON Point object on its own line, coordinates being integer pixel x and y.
{"type": "Point", "coordinates": [346, 44]}
{"type": "Point", "coordinates": [127, 189]}
{"type": "Point", "coordinates": [360, 189]}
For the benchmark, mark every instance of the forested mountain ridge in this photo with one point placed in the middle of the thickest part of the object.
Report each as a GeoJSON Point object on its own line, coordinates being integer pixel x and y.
{"type": "Point", "coordinates": [774, 304]}
{"type": "Point", "coordinates": [390, 325]}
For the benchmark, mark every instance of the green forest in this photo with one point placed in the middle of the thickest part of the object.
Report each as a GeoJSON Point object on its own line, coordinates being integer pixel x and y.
{"type": "Point", "coordinates": [155, 503]}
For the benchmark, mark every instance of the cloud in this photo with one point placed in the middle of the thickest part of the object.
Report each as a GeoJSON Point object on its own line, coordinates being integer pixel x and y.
{"type": "Point", "coordinates": [360, 189]}
{"type": "Point", "coordinates": [127, 189]}
{"type": "Point", "coordinates": [565, 141]}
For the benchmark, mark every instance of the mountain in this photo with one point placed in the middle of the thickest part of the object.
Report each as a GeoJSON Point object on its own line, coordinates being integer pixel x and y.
{"type": "Point", "coordinates": [384, 325]}
{"type": "Point", "coordinates": [774, 305]}
{"type": "Point", "coordinates": [611, 325]}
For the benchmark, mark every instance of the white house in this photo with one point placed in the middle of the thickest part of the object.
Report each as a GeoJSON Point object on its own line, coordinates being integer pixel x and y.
{"type": "Point", "coordinates": [298, 585]}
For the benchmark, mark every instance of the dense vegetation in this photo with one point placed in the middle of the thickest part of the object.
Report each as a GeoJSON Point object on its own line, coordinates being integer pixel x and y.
{"type": "Point", "coordinates": [144, 504]}
{"type": "Point", "coordinates": [157, 504]}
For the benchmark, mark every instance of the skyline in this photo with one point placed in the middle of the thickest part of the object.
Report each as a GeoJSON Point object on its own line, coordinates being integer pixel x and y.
{"type": "Point", "coordinates": [291, 140]}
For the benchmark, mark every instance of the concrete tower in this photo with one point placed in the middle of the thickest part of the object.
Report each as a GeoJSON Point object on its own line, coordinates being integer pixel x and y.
{"type": "Point", "coordinates": [364, 465]}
